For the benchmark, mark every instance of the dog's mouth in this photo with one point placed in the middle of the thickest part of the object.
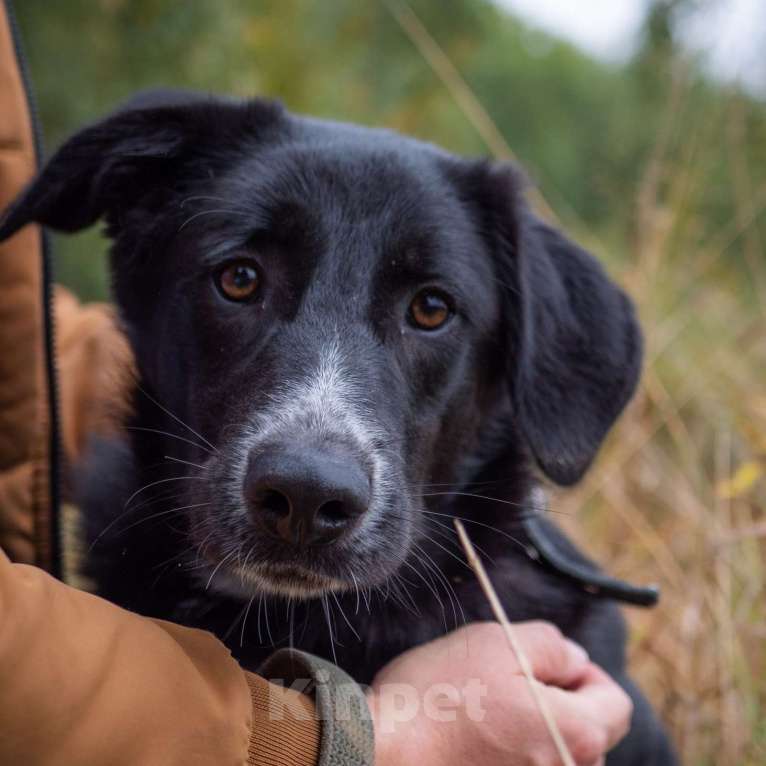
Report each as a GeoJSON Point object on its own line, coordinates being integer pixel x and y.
{"type": "Point", "coordinates": [240, 561]}
{"type": "Point", "coordinates": [276, 579]}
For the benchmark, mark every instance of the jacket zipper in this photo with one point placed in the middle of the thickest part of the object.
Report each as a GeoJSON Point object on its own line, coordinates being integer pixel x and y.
{"type": "Point", "coordinates": [51, 377]}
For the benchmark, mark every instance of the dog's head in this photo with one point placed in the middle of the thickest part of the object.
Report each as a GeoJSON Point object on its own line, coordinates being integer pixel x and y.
{"type": "Point", "coordinates": [342, 315]}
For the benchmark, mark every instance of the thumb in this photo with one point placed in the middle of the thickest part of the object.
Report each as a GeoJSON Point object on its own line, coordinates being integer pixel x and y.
{"type": "Point", "coordinates": [555, 660]}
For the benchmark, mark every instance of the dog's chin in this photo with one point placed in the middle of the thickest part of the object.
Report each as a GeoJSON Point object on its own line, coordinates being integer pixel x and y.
{"type": "Point", "coordinates": [285, 580]}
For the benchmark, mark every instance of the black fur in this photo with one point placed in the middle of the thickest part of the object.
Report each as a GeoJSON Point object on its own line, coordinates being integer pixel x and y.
{"type": "Point", "coordinates": [346, 224]}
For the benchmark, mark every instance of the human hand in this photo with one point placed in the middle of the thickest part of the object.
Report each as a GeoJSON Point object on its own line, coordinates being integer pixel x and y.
{"type": "Point", "coordinates": [463, 699]}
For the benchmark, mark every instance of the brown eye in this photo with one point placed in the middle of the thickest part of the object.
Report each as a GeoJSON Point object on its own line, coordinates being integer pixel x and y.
{"type": "Point", "coordinates": [429, 310]}
{"type": "Point", "coordinates": [238, 281]}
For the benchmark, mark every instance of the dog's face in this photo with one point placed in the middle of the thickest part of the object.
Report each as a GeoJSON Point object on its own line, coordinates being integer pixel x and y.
{"type": "Point", "coordinates": [341, 317]}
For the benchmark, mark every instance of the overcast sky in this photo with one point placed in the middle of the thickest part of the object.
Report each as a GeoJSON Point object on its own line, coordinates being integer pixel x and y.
{"type": "Point", "coordinates": [730, 33]}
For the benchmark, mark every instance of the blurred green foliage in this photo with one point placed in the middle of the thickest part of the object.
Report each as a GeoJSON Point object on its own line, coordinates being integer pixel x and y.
{"type": "Point", "coordinates": [584, 130]}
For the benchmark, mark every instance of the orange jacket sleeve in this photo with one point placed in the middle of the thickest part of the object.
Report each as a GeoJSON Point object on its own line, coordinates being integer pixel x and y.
{"type": "Point", "coordinates": [85, 682]}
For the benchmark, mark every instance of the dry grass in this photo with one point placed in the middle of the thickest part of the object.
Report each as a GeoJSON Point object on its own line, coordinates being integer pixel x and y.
{"type": "Point", "coordinates": [675, 499]}
{"type": "Point", "coordinates": [678, 495]}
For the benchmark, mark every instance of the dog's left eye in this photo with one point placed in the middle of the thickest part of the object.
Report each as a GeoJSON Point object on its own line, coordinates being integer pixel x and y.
{"type": "Point", "coordinates": [430, 309]}
{"type": "Point", "coordinates": [238, 281]}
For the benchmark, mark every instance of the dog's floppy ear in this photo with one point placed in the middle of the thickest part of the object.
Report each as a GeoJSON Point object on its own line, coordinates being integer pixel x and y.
{"type": "Point", "coordinates": [108, 167]}
{"type": "Point", "coordinates": [576, 345]}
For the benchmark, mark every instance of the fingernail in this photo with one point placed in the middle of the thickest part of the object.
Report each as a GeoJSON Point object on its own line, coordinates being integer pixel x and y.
{"type": "Point", "coordinates": [578, 653]}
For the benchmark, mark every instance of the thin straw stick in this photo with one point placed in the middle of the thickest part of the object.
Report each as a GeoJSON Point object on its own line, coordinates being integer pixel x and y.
{"type": "Point", "coordinates": [521, 658]}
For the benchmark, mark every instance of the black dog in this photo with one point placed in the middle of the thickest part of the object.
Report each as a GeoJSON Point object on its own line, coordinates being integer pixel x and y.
{"type": "Point", "coordinates": [344, 337]}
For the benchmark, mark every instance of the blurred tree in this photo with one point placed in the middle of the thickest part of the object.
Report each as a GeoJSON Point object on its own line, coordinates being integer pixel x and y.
{"type": "Point", "coordinates": [583, 129]}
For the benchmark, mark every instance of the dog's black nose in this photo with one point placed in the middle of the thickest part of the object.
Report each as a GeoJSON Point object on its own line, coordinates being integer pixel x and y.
{"type": "Point", "coordinates": [306, 497]}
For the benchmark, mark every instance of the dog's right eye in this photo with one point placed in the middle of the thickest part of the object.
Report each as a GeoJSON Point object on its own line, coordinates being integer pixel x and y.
{"type": "Point", "coordinates": [430, 309]}
{"type": "Point", "coordinates": [238, 281]}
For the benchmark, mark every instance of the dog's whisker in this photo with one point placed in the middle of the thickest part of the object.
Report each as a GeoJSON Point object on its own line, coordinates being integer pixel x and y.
{"type": "Point", "coordinates": [260, 606]}
{"type": "Point", "coordinates": [398, 597]}
{"type": "Point", "coordinates": [158, 498]}
{"type": "Point", "coordinates": [461, 485]}
{"type": "Point", "coordinates": [334, 625]}
{"type": "Point", "coordinates": [448, 533]}
{"type": "Point", "coordinates": [171, 435]}
{"type": "Point", "coordinates": [326, 609]}
{"type": "Point", "coordinates": [156, 483]}
{"type": "Point", "coordinates": [202, 547]}
{"type": "Point", "coordinates": [233, 624]}
{"type": "Point", "coordinates": [427, 575]}
{"type": "Point", "coordinates": [343, 615]}
{"type": "Point", "coordinates": [391, 595]}
{"type": "Point", "coordinates": [218, 566]}
{"type": "Point", "coordinates": [125, 512]}
{"type": "Point", "coordinates": [366, 593]}
{"type": "Point", "coordinates": [185, 462]}
{"type": "Point", "coordinates": [481, 524]}
{"type": "Point", "coordinates": [401, 585]}
{"type": "Point", "coordinates": [527, 510]}
{"type": "Point", "coordinates": [456, 493]}
{"type": "Point", "coordinates": [176, 418]}
{"type": "Point", "coordinates": [160, 513]}
{"type": "Point", "coordinates": [431, 589]}
{"type": "Point", "coordinates": [244, 621]}
{"type": "Point", "coordinates": [446, 550]}
{"type": "Point", "coordinates": [442, 581]}
{"type": "Point", "coordinates": [165, 565]}
{"type": "Point", "coordinates": [356, 589]}
{"type": "Point", "coordinates": [176, 558]}
{"type": "Point", "coordinates": [446, 584]}
{"type": "Point", "coordinates": [244, 563]}
{"type": "Point", "coordinates": [440, 529]}
{"type": "Point", "coordinates": [266, 620]}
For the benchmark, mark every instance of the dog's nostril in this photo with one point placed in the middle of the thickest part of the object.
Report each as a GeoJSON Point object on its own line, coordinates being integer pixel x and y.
{"type": "Point", "coordinates": [334, 512]}
{"type": "Point", "coordinates": [273, 502]}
